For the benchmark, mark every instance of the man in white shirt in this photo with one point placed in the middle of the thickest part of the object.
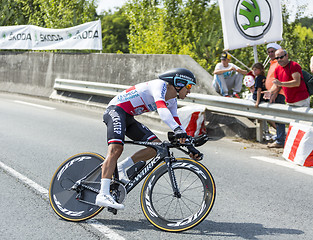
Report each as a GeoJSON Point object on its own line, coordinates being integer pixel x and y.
{"type": "Point", "coordinates": [228, 76]}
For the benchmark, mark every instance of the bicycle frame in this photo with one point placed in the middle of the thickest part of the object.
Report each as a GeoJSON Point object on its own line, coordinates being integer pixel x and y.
{"type": "Point", "coordinates": [163, 153]}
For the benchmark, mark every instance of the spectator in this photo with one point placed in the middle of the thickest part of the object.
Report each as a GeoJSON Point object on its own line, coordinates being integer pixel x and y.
{"type": "Point", "coordinates": [228, 76]}
{"type": "Point", "coordinates": [288, 75]}
{"type": "Point", "coordinates": [259, 87]}
{"type": "Point", "coordinates": [277, 97]}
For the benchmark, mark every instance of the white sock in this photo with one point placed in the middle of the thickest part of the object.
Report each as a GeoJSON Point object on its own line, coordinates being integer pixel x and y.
{"type": "Point", "coordinates": [126, 163]}
{"type": "Point", "coordinates": [105, 186]}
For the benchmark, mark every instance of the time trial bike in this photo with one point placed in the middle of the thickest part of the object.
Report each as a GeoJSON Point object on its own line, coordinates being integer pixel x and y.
{"type": "Point", "coordinates": [177, 193]}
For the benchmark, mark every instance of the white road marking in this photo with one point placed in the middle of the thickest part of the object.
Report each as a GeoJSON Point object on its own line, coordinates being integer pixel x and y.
{"type": "Point", "coordinates": [107, 232]}
{"type": "Point", "coordinates": [24, 179]}
{"type": "Point", "coordinates": [297, 168]}
{"type": "Point", "coordinates": [34, 105]}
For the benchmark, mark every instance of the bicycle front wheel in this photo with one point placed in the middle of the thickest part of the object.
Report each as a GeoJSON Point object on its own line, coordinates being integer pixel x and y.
{"type": "Point", "coordinates": [178, 213]}
{"type": "Point", "coordinates": [76, 204]}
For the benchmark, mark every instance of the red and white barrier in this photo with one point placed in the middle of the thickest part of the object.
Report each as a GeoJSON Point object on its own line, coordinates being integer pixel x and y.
{"type": "Point", "coordinates": [192, 119]}
{"type": "Point", "coordinates": [299, 145]}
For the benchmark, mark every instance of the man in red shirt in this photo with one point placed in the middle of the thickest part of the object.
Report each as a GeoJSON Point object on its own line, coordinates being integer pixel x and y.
{"type": "Point", "coordinates": [288, 75]}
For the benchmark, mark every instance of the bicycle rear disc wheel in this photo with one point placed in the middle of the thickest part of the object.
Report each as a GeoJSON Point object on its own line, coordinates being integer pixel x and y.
{"type": "Point", "coordinates": [65, 201]}
{"type": "Point", "coordinates": [169, 213]}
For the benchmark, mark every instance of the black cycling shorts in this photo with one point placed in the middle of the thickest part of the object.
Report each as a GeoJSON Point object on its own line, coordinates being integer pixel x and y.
{"type": "Point", "coordinates": [120, 123]}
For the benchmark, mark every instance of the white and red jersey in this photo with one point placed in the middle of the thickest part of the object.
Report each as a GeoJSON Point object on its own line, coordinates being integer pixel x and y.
{"type": "Point", "coordinates": [146, 97]}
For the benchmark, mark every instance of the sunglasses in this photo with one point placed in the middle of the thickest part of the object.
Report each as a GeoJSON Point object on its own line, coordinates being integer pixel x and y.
{"type": "Point", "coordinates": [270, 51]}
{"type": "Point", "coordinates": [281, 57]}
{"type": "Point", "coordinates": [179, 82]}
{"type": "Point", "coordinates": [188, 86]}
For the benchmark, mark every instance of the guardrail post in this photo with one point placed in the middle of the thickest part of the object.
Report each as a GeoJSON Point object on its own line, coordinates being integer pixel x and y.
{"type": "Point", "coordinates": [259, 130]}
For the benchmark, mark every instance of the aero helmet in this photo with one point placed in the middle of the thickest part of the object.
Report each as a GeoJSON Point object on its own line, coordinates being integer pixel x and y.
{"type": "Point", "coordinates": [178, 77]}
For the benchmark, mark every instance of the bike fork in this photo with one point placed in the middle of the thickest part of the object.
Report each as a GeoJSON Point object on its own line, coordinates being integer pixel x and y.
{"type": "Point", "coordinates": [172, 176]}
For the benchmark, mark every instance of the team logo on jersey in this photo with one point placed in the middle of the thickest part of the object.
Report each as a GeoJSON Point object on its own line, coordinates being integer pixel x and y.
{"type": "Point", "coordinates": [152, 106]}
{"type": "Point", "coordinates": [163, 92]}
{"type": "Point", "coordinates": [127, 96]}
{"type": "Point", "coordinates": [253, 18]}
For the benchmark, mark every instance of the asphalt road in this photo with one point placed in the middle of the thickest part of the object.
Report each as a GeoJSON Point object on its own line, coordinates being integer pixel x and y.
{"type": "Point", "coordinates": [259, 195]}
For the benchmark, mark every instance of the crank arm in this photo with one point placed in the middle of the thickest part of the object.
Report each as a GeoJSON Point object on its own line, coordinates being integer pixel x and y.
{"type": "Point", "coordinates": [90, 203]}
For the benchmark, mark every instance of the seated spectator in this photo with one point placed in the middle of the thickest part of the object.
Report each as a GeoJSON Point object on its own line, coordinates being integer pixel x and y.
{"type": "Point", "coordinates": [259, 87]}
{"type": "Point", "coordinates": [227, 76]}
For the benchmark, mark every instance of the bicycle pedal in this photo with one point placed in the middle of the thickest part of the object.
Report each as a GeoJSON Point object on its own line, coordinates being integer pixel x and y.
{"type": "Point", "coordinates": [112, 210]}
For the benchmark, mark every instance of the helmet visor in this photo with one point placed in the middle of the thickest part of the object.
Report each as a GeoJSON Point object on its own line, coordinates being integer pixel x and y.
{"type": "Point", "coordinates": [180, 82]}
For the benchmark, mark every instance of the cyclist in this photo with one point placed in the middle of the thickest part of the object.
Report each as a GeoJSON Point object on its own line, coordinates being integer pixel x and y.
{"type": "Point", "coordinates": [157, 95]}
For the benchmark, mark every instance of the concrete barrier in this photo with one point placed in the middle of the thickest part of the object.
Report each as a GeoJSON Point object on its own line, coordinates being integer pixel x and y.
{"type": "Point", "coordinates": [34, 72]}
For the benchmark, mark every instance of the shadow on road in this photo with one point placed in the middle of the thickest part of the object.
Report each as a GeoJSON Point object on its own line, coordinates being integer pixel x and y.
{"type": "Point", "coordinates": [210, 229]}
{"type": "Point", "coordinates": [244, 230]}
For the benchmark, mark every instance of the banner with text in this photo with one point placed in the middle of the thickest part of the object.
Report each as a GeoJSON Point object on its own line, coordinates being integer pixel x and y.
{"type": "Point", "coordinates": [250, 22]}
{"type": "Point", "coordinates": [84, 36]}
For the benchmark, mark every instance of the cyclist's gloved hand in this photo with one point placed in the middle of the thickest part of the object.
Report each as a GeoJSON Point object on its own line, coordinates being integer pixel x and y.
{"type": "Point", "coordinates": [194, 153]}
{"type": "Point", "coordinates": [180, 134]}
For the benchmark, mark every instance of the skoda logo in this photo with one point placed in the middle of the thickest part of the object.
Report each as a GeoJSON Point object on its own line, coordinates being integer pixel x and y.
{"type": "Point", "coordinates": [253, 18]}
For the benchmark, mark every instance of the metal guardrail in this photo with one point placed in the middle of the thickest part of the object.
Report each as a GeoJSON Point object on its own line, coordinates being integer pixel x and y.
{"type": "Point", "coordinates": [94, 88]}
{"type": "Point", "coordinates": [231, 106]}
{"type": "Point", "coordinates": [246, 108]}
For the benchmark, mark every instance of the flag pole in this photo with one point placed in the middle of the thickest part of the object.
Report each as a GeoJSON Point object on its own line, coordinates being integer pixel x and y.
{"type": "Point", "coordinates": [255, 53]}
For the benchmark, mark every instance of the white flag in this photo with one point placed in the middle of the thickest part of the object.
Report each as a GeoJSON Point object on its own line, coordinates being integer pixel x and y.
{"type": "Point", "coordinates": [250, 22]}
{"type": "Point", "coordinates": [84, 36]}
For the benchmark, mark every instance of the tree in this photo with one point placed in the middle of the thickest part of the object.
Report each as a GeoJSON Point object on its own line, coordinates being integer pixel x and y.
{"type": "Point", "coordinates": [67, 13]}
{"type": "Point", "coordinates": [47, 13]}
{"type": "Point", "coordinates": [175, 27]}
{"type": "Point", "coordinates": [306, 22]}
{"type": "Point", "coordinates": [145, 32]}
{"type": "Point", "coordinates": [115, 28]}
{"type": "Point", "coordinates": [298, 45]}
{"type": "Point", "coordinates": [18, 12]}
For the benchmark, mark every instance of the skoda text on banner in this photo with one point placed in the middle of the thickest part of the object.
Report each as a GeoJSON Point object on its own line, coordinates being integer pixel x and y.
{"type": "Point", "coordinates": [250, 22]}
{"type": "Point", "coordinates": [84, 36]}
{"type": "Point", "coordinates": [15, 37]}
